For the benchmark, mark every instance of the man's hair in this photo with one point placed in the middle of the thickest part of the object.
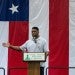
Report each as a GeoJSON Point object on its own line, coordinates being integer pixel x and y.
{"type": "Point", "coordinates": [35, 28]}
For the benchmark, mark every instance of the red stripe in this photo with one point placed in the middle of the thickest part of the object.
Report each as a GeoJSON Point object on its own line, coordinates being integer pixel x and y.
{"type": "Point", "coordinates": [18, 34]}
{"type": "Point", "coordinates": [59, 37]}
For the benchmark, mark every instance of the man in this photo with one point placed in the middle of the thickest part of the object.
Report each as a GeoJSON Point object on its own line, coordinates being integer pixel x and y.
{"type": "Point", "coordinates": [36, 44]}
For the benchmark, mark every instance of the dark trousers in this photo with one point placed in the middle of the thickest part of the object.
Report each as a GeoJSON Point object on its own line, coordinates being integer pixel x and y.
{"type": "Point", "coordinates": [41, 70]}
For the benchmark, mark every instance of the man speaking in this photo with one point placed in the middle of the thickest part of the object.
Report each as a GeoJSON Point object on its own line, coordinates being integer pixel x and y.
{"type": "Point", "coordinates": [36, 44]}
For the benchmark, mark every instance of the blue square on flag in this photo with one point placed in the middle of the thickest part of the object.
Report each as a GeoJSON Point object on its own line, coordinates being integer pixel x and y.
{"type": "Point", "coordinates": [14, 10]}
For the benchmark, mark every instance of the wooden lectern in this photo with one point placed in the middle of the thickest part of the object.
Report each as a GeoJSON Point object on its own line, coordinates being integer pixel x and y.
{"type": "Point", "coordinates": [34, 60]}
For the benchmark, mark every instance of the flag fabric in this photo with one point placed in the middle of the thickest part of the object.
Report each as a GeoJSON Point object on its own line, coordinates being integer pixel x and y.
{"type": "Point", "coordinates": [17, 17]}
{"type": "Point", "coordinates": [59, 37]}
{"type": "Point", "coordinates": [14, 10]}
{"type": "Point", "coordinates": [62, 37]}
{"type": "Point", "coordinates": [56, 22]}
{"type": "Point", "coordinates": [72, 37]}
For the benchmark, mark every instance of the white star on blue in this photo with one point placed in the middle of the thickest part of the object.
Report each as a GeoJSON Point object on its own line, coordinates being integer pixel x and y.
{"type": "Point", "coordinates": [14, 8]}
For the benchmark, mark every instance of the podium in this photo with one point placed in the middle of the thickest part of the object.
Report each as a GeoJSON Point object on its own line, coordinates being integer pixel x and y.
{"type": "Point", "coordinates": [34, 60]}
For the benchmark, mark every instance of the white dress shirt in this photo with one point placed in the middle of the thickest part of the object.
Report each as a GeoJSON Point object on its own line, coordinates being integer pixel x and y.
{"type": "Point", "coordinates": [39, 46]}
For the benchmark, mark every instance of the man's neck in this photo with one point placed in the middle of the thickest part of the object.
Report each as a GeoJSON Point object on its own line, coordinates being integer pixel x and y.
{"type": "Point", "coordinates": [37, 37]}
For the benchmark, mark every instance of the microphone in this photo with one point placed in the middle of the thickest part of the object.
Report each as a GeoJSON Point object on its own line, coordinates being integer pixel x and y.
{"type": "Point", "coordinates": [34, 38]}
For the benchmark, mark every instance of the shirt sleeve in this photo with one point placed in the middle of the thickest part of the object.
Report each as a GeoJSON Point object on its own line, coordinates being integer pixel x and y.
{"type": "Point", "coordinates": [46, 48]}
{"type": "Point", "coordinates": [24, 46]}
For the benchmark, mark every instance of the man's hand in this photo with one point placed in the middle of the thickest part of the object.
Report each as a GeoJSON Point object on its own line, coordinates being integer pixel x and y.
{"type": "Point", "coordinates": [47, 53]}
{"type": "Point", "coordinates": [6, 44]}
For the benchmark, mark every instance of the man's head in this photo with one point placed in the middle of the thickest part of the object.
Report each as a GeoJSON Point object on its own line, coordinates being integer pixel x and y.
{"type": "Point", "coordinates": [35, 32]}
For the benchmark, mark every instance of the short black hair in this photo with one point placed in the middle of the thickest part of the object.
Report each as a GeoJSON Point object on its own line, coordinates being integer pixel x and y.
{"type": "Point", "coordinates": [35, 28]}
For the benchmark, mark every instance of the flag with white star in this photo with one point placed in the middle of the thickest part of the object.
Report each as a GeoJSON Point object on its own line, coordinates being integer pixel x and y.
{"type": "Point", "coordinates": [56, 22]}
{"type": "Point", "coordinates": [14, 23]}
{"type": "Point", "coordinates": [14, 10]}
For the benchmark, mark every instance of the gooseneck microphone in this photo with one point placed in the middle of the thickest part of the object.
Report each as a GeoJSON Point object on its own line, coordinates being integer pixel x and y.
{"type": "Point", "coordinates": [34, 39]}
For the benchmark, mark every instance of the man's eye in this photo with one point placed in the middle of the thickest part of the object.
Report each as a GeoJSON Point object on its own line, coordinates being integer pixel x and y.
{"type": "Point", "coordinates": [34, 32]}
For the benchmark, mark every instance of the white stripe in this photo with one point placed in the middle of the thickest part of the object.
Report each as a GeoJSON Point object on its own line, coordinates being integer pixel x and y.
{"type": "Point", "coordinates": [72, 37]}
{"type": "Point", "coordinates": [4, 27]}
{"type": "Point", "coordinates": [39, 16]}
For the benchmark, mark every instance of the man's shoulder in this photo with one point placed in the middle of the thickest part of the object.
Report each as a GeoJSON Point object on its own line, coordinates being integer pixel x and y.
{"type": "Point", "coordinates": [41, 38]}
{"type": "Point", "coordinates": [29, 40]}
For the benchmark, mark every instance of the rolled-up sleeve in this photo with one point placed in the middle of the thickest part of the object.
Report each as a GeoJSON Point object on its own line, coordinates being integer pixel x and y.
{"type": "Point", "coordinates": [23, 47]}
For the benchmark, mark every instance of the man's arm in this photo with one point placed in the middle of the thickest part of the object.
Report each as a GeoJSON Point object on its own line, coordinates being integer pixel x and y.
{"type": "Point", "coordinates": [8, 45]}
{"type": "Point", "coordinates": [46, 48]}
{"type": "Point", "coordinates": [47, 53]}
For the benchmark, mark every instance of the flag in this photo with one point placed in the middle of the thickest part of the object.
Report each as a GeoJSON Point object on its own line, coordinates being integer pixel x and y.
{"type": "Point", "coordinates": [59, 37]}
{"type": "Point", "coordinates": [55, 19]}
{"type": "Point", "coordinates": [14, 10]}
{"type": "Point", "coordinates": [62, 37]}
{"type": "Point", "coordinates": [17, 17]}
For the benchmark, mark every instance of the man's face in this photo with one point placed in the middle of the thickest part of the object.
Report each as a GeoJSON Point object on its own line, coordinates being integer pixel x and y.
{"type": "Point", "coordinates": [35, 33]}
